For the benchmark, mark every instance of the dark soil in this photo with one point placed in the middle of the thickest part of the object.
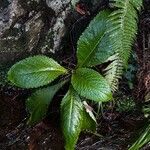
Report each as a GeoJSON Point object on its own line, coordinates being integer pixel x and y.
{"type": "Point", "coordinates": [116, 130]}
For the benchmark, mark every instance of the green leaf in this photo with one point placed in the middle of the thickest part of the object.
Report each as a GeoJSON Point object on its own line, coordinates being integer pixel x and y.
{"type": "Point", "coordinates": [89, 121]}
{"type": "Point", "coordinates": [91, 85]}
{"type": "Point", "coordinates": [71, 115]}
{"type": "Point", "coordinates": [35, 71]}
{"type": "Point", "coordinates": [142, 140]}
{"type": "Point", "coordinates": [39, 101]}
{"type": "Point", "coordinates": [94, 45]}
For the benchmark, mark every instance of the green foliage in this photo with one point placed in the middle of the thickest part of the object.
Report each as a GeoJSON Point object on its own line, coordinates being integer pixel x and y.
{"type": "Point", "coordinates": [142, 140]}
{"type": "Point", "coordinates": [137, 3]}
{"type": "Point", "coordinates": [122, 24]}
{"type": "Point", "coordinates": [146, 110]}
{"type": "Point", "coordinates": [91, 85]}
{"type": "Point", "coordinates": [108, 39]}
{"type": "Point", "coordinates": [94, 45]}
{"type": "Point", "coordinates": [72, 118]}
{"type": "Point", "coordinates": [113, 71]}
{"type": "Point", "coordinates": [144, 137]}
{"type": "Point", "coordinates": [39, 101]}
{"type": "Point", "coordinates": [35, 71]}
{"type": "Point", "coordinates": [88, 122]}
{"type": "Point", "coordinates": [147, 97]}
{"type": "Point", "coordinates": [125, 105]}
{"type": "Point", "coordinates": [123, 28]}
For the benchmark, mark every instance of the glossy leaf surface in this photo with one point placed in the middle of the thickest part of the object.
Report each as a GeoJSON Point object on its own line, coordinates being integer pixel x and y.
{"type": "Point", "coordinates": [35, 71]}
{"type": "Point", "coordinates": [91, 85]}
{"type": "Point", "coordinates": [38, 103]}
{"type": "Point", "coordinates": [72, 117]}
{"type": "Point", "coordinates": [94, 46]}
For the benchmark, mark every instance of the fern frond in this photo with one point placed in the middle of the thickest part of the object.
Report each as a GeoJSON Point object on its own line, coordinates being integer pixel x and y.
{"type": "Point", "coordinates": [124, 26]}
{"type": "Point", "coordinates": [114, 71]}
{"type": "Point", "coordinates": [138, 4]}
{"type": "Point", "coordinates": [122, 32]}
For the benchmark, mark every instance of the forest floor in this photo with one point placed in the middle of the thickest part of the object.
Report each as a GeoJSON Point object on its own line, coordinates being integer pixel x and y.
{"type": "Point", "coordinates": [116, 130]}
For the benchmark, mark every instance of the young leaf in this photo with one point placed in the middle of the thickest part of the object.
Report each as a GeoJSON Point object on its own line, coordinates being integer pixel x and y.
{"type": "Point", "coordinates": [35, 71]}
{"type": "Point", "coordinates": [39, 101]}
{"type": "Point", "coordinates": [94, 45]}
{"type": "Point", "coordinates": [91, 85]}
{"type": "Point", "coordinates": [71, 115]}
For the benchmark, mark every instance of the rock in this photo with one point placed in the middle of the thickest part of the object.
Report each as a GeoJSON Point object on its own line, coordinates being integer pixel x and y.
{"type": "Point", "coordinates": [31, 27]}
{"type": "Point", "coordinates": [58, 28]}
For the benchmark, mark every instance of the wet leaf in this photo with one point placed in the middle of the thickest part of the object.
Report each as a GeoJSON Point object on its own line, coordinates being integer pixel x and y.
{"type": "Point", "coordinates": [94, 46]}
{"type": "Point", "coordinates": [39, 101]}
{"type": "Point", "coordinates": [35, 71]}
{"type": "Point", "coordinates": [91, 85]}
{"type": "Point", "coordinates": [71, 116]}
